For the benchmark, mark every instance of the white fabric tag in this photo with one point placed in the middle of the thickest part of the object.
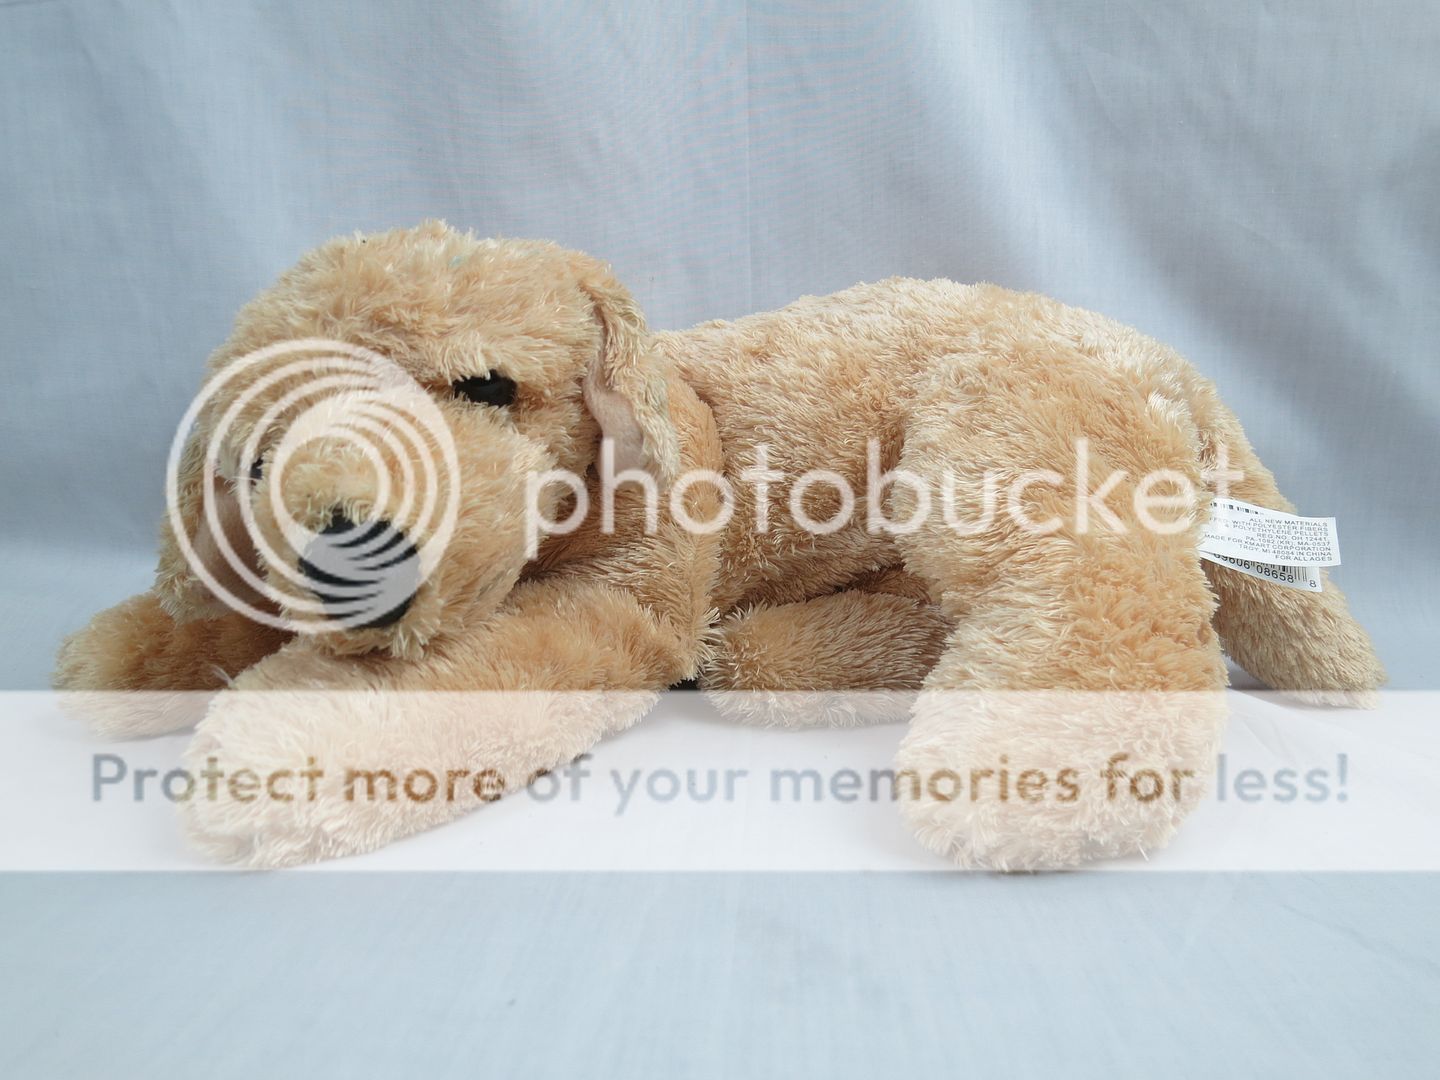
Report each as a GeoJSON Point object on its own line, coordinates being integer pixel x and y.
{"type": "Point", "coordinates": [1269, 544]}
{"type": "Point", "coordinates": [1247, 531]}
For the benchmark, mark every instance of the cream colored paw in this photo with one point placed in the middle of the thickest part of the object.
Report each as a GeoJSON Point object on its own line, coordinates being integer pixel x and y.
{"type": "Point", "coordinates": [1044, 782]}
{"type": "Point", "coordinates": [270, 773]}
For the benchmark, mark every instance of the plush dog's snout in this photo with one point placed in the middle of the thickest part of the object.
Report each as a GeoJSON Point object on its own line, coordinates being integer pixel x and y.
{"type": "Point", "coordinates": [365, 574]}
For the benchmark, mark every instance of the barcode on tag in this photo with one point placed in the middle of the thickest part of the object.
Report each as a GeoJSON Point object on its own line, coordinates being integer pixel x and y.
{"type": "Point", "coordinates": [1296, 577]}
{"type": "Point", "coordinates": [1284, 548]}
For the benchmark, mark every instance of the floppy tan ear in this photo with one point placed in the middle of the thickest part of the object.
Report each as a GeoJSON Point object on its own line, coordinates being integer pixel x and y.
{"type": "Point", "coordinates": [183, 594]}
{"type": "Point", "coordinates": [625, 388]}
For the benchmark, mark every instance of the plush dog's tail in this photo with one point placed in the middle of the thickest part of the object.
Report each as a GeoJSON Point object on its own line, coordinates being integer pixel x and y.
{"type": "Point", "coordinates": [1292, 640]}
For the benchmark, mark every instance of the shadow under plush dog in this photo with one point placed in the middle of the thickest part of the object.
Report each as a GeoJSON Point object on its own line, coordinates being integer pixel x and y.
{"type": "Point", "coordinates": [530, 359]}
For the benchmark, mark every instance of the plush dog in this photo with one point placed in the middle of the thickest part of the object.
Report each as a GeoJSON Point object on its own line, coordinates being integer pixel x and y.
{"type": "Point", "coordinates": [1060, 633]}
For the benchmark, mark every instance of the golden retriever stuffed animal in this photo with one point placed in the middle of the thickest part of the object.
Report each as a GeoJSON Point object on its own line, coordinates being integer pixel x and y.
{"type": "Point", "coordinates": [861, 437]}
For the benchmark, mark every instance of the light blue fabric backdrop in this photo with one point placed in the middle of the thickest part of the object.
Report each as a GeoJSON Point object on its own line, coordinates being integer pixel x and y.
{"type": "Point", "coordinates": [1255, 184]}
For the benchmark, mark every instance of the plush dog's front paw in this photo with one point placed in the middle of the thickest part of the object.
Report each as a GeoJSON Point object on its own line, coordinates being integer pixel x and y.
{"type": "Point", "coordinates": [134, 671]}
{"type": "Point", "coordinates": [226, 831]}
{"type": "Point", "coordinates": [285, 777]}
{"type": "Point", "coordinates": [247, 835]}
{"type": "Point", "coordinates": [264, 793]}
{"type": "Point", "coordinates": [229, 828]}
{"type": "Point", "coordinates": [118, 673]}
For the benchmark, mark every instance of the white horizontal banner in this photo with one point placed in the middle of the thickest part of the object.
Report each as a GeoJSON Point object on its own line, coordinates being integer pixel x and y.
{"type": "Point", "coordinates": [690, 785]}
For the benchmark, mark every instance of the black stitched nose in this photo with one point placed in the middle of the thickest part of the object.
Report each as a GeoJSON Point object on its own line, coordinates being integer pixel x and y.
{"type": "Point", "coordinates": [365, 574]}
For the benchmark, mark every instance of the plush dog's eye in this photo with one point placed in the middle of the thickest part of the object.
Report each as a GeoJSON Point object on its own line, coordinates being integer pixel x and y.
{"type": "Point", "coordinates": [257, 470]}
{"type": "Point", "coordinates": [489, 389]}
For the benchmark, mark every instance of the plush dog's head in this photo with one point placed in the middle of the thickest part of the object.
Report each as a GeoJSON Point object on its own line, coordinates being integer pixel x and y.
{"type": "Point", "coordinates": [362, 459]}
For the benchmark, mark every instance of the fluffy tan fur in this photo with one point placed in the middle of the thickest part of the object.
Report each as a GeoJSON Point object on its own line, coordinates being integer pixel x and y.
{"type": "Point", "coordinates": [948, 379]}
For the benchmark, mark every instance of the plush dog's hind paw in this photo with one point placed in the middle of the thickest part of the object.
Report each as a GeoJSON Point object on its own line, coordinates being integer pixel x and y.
{"type": "Point", "coordinates": [1048, 781]}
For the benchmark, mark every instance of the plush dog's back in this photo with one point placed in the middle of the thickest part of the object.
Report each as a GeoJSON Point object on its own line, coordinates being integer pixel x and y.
{"type": "Point", "coordinates": [818, 381]}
